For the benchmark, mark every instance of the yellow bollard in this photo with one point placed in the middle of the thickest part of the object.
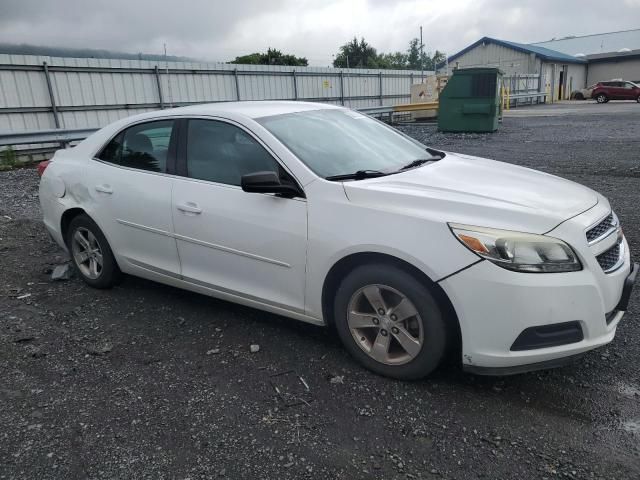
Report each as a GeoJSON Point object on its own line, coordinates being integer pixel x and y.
{"type": "Point", "coordinates": [548, 92]}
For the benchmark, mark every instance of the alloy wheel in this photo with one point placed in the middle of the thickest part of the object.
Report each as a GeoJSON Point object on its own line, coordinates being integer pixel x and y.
{"type": "Point", "coordinates": [385, 324]}
{"type": "Point", "coordinates": [87, 253]}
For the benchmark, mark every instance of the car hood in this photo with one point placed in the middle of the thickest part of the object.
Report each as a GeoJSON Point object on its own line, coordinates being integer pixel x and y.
{"type": "Point", "coordinates": [477, 191]}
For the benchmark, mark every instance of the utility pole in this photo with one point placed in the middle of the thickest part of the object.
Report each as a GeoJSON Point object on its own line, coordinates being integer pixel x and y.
{"type": "Point", "coordinates": [421, 57]}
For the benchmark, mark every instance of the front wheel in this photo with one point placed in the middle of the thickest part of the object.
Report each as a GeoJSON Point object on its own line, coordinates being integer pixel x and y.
{"type": "Point", "coordinates": [601, 98]}
{"type": "Point", "coordinates": [91, 254]}
{"type": "Point", "coordinates": [638, 99]}
{"type": "Point", "coordinates": [390, 322]}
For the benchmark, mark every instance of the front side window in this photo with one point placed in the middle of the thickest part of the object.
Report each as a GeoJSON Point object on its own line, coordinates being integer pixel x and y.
{"type": "Point", "coordinates": [336, 142]}
{"type": "Point", "coordinates": [220, 152]}
{"type": "Point", "coordinates": [144, 146]}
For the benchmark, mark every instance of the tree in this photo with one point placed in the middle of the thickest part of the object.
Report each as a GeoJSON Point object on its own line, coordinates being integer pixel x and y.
{"type": "Point", "coordinates": [272, 57]}
{"type": "Point", "coordinates": [360, 54]}
{"type": "Point", "coordinates": [393, 61]}
{"type": "Point", "coordinates": [438, 58]}
{"type": "Point", "coordinates": [417, 59]}
{"type": "Point", "coordinates": [356, 54]}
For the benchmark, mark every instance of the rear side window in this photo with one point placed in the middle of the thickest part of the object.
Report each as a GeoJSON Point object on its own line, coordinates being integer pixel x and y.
{"type": "Point", "coordinates": [144, 146]}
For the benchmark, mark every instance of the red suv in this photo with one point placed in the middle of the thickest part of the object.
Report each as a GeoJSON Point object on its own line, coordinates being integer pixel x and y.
{"type": "Point", "coordinates": [615, 90]}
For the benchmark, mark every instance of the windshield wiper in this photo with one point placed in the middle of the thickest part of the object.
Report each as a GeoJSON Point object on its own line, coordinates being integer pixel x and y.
{"type": "Point", "coordinates": [435, 156]}
{"type": "Point", "coordinates": [419, 161]}
{"type": "Point", "coordinates": [359, 175]}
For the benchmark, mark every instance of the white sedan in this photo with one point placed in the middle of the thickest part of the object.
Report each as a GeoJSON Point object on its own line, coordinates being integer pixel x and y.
{"type": "Point", "coordinates": [328, 216]}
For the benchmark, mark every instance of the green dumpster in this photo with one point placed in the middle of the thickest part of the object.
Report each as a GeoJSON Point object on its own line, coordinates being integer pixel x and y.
{"type": "Point", "coordinates": [470, 102]}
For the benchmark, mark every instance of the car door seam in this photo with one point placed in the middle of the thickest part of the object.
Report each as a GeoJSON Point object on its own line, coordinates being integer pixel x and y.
{"type": "Point", "coordinates": [173, 223]}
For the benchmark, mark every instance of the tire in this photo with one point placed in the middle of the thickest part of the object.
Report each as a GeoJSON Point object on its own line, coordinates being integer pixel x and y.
{"type": "Point", "coordinates": [425, 332]}
{"type": "Point", "coordinates": [94, 247]}
{"type": "Point", "coordinates": [601, 98]}
{"type": "Point", "coordinates": [638, 99]}
{"type": "Point", "coordinates": [578, 96]}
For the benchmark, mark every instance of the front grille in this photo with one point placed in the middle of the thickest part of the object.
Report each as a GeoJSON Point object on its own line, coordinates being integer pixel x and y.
{"type": "Point", "coordinates": [608, 259]}
{"type": "Point", "coordinates": [601, 228]}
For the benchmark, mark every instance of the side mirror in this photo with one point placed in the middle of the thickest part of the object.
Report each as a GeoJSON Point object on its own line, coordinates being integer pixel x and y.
{"type": "Point", "coordinates": [268, 182]}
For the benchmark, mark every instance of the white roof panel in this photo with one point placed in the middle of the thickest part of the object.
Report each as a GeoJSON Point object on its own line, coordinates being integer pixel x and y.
{"type": "Point", "coordinates": [592, 44]}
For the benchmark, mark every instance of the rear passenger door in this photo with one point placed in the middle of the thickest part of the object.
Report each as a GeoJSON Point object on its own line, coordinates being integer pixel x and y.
{"type": "Point", "coordinates": [243, 244]}
{"type": "Point", "coordinates": [130, 190]}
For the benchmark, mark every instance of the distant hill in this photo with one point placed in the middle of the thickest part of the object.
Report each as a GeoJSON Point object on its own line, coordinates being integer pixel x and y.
{"type": "Point", "coordinates": [23, 49]}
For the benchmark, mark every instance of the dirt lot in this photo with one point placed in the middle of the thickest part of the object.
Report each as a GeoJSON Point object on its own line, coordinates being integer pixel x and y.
{"type": "Point", "coordinates": [146, 381]}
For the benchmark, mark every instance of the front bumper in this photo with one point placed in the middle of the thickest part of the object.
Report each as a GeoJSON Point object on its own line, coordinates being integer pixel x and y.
{"type": "Point", "coordinates": [494, 306]}
{"type": "Point", "coordinates": [517, 369]}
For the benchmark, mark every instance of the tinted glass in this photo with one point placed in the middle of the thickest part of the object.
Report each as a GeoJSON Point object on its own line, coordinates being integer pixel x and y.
{"type": "Point", "coordinates": [145, 146]}
{"type": "Point", "coordinates": [111, 153]}
{"type": "Point", "coordinates": [221, 152]}
{"type": "Point", "coordinates": [334, 142]}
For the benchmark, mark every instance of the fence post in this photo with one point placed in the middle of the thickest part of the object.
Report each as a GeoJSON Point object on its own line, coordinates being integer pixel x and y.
{"type": "Point", "coordinates": [52, 98]}
{"type": "Point", "coordinates": [235, 75]}
{"type": "Point", "coordinates": [540, 87]}
{"type": "Point", "coordinates": [342, 87]}
{"type": "Point", "coordinates": [295, 85]}
{"type": "Point", "coordinates": [159, 87]}
{"type": "Point", "coordinates": [380, 79]}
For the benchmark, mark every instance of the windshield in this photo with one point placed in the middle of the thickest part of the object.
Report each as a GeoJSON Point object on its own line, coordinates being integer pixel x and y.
{"type": "Point", "coordinates": [338, 142]}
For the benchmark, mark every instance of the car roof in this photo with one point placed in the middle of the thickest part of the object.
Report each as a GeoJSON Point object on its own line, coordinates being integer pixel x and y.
{"type": "Point", "coordinates": [233, 110]}
{"type": "Point", "coordinates": [251, 109]}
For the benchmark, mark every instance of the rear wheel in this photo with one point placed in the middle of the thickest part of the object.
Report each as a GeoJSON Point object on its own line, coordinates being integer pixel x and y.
{"type": "Point", "coordinates": [390, 322]}
{"type": "Point", "coordinates": [601, 98]}
{"type": "Point", "coordinates": [638, 99]}
{"type": "Point", "coordinates": [91, 254]}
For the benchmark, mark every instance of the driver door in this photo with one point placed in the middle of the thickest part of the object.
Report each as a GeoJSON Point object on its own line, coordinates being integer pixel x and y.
{"type": "Point", "coordinates": [247, 244]}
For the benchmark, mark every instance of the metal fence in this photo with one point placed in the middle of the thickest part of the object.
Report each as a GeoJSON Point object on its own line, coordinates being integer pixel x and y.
{"type": "Point", "coordinates": [42, 93]}
{"type": "Point", "coordinates": [523, 89]}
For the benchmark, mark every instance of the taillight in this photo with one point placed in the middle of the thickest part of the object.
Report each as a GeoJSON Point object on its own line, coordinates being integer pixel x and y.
{"type": "Point", "coordinates": [42, 166]}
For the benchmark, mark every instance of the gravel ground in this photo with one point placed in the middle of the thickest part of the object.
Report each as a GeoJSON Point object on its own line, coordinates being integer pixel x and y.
{"type": "Point", "coordinates": [146, 381]}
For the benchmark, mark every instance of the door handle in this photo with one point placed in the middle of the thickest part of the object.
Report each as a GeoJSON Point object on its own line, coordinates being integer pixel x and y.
{"type": "Point", "coordinates": [189, 207]}
{"type": "Point", "coordinates": [104, 189]}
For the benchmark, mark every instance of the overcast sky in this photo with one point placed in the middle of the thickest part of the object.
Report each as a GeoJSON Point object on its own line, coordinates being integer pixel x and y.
{"type": "Point", "coordinates": [220, 30]}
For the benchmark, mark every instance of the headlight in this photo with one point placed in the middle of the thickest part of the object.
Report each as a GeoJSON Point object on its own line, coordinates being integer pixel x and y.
{"type": "Point", "coordinates": [521, 252]}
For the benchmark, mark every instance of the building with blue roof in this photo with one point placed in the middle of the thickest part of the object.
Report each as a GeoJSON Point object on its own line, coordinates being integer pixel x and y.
{"type": "Point", "coordinates": [559, 66]}
{"type": "Point", "coordinates": [558, 72]}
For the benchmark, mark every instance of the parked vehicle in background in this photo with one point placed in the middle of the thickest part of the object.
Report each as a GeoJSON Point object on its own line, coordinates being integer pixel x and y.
{"type": "Point", "coordinates": [616, 90]}
{"type": "Point", "coordinates": [582, 94]}
{"type": "Point", "coordinates": [328, 216]}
